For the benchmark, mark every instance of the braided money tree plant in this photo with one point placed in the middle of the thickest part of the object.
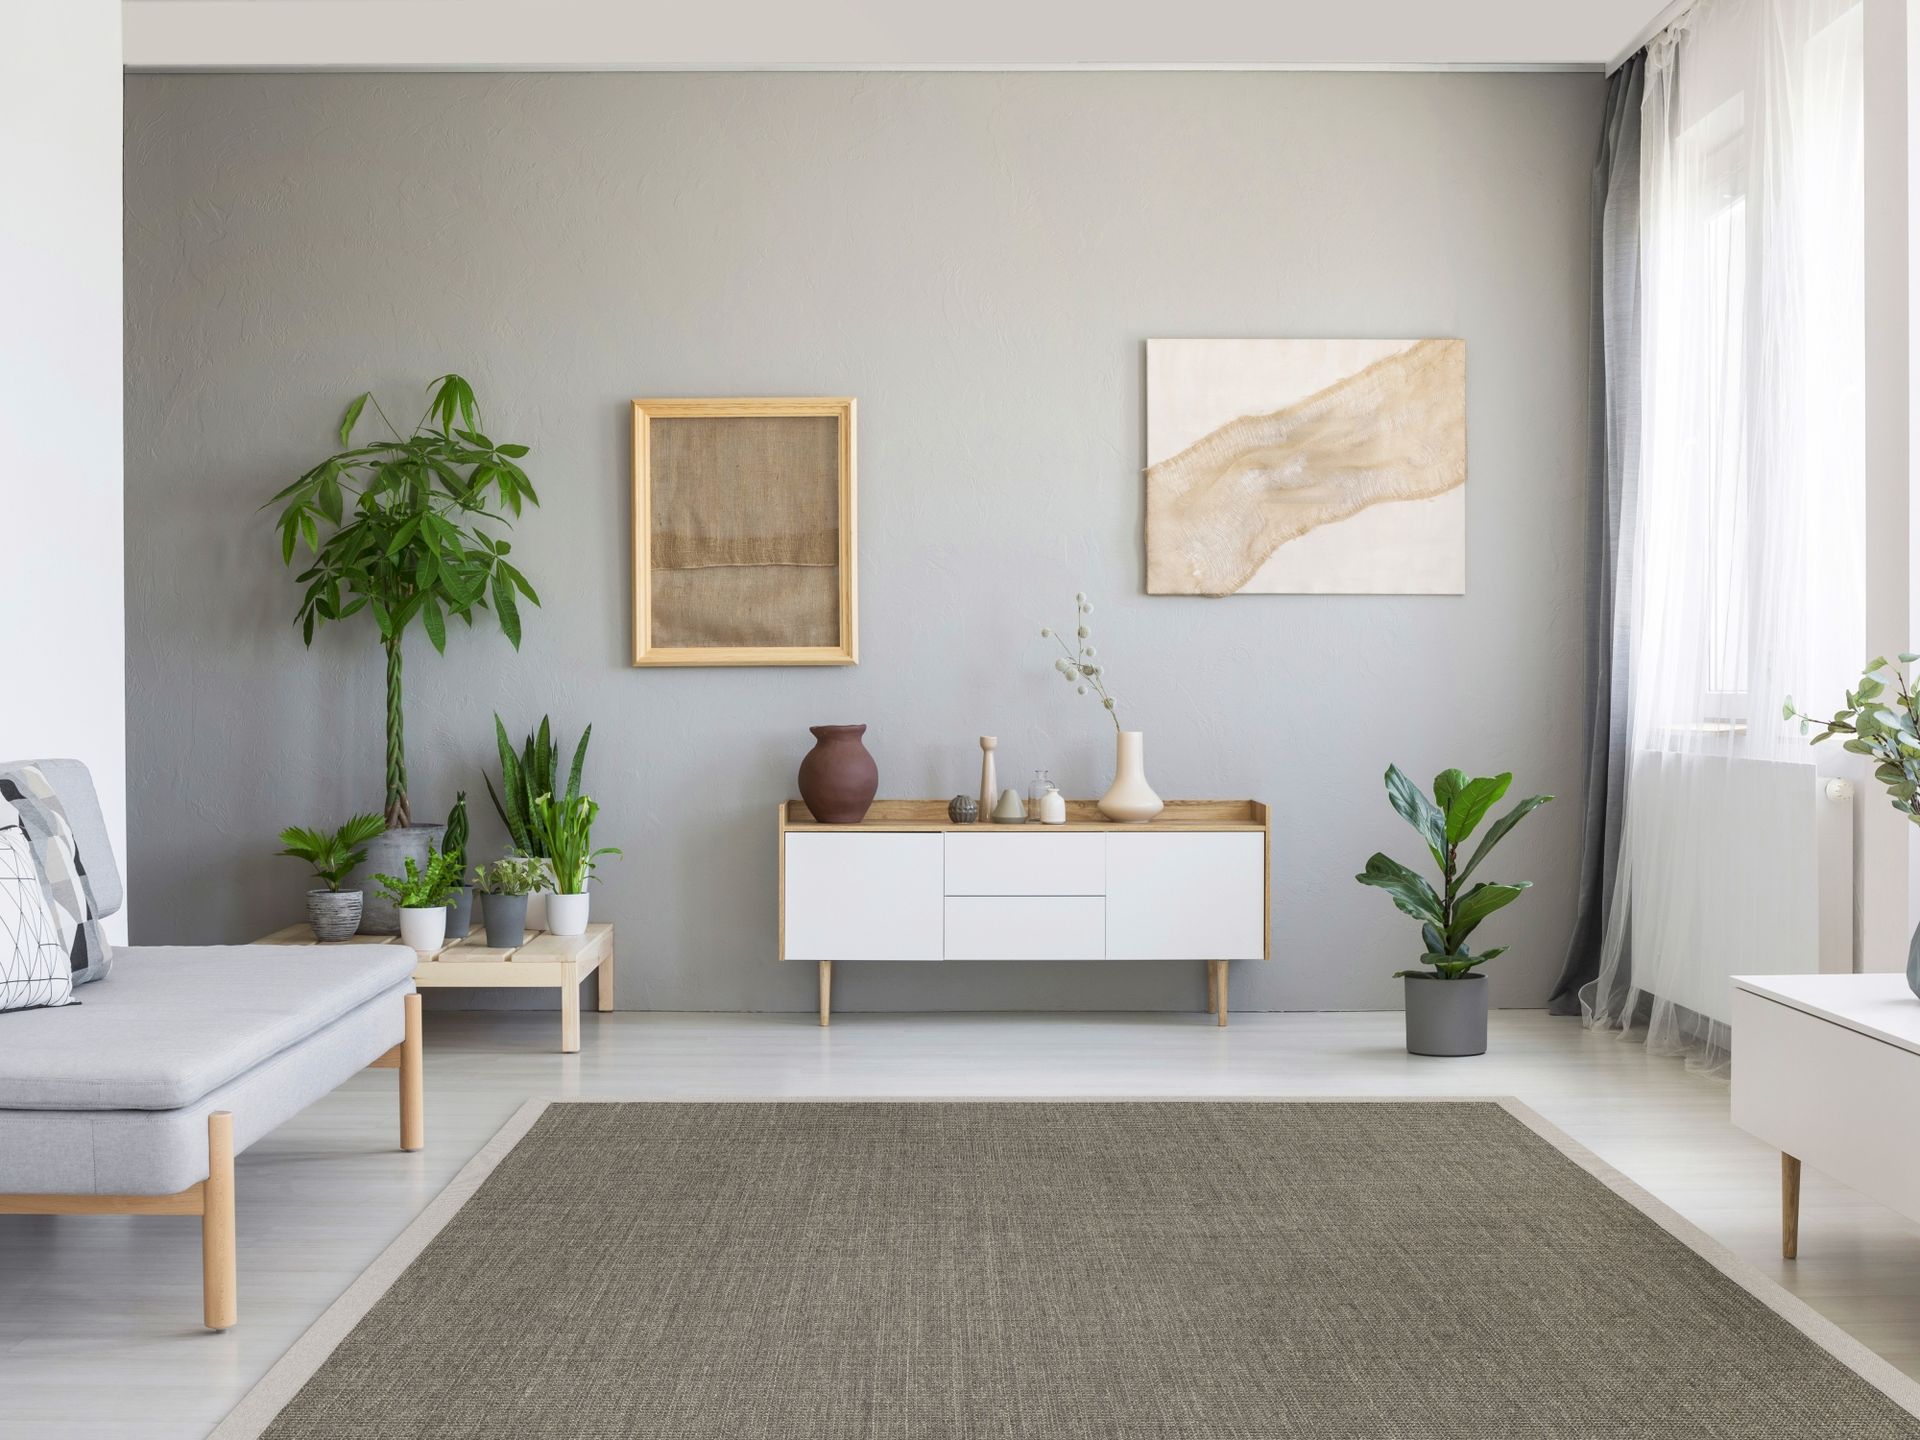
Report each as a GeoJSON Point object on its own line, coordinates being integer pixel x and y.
{"type": "Point", "coordinates": [397, 527]}
{"type": "Point", "coordinates": [1449, 1019]}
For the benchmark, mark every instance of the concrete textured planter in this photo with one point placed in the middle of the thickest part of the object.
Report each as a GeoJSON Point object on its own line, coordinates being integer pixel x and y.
{"type": "Point", "coordinates": [334, 914]}
{"type": "Point", "coordinates": [387, 854]}
{"type": "Point", "coordinates": [460, 913]}
{"type": "Point", "coordinates": [1447, 1017]}
{"type": "Point", "coordinates": [506, 917]}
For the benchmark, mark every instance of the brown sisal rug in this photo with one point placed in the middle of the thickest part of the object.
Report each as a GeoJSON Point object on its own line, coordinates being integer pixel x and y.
{"type": "Point", "coordinates": [1062, 1271]}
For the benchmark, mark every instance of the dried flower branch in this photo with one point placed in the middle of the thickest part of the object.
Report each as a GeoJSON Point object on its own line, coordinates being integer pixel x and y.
{"type": "Point", "coordinates": [1079, 662]}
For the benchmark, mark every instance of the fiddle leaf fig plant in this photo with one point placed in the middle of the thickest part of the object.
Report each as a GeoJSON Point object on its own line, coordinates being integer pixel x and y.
{"type": "Point", "coordinates": [396, 527]}
{"type": "Point", "coordinates": [1453, 912]}
{"type": "Point", "coordinates": [1887, 734]}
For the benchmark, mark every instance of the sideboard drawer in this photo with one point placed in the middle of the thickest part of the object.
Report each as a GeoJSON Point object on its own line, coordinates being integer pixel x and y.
{"type": "Point", "coordinates": [862, 897]}
{"type": "Point", "coordinates": [1026, 927]}
{"type": "Point", "coordinates": [1026, 861]}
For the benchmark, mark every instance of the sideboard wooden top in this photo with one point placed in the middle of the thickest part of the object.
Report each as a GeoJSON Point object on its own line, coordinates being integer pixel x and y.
{"type": "Point", "coordinates": [928, 815]}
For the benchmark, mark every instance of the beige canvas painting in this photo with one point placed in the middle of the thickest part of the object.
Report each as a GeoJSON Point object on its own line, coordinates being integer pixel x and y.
{"type": "Point", "coordinates": [1306, 467]}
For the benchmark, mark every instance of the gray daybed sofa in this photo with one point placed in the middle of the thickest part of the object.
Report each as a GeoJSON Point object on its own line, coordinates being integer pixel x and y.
{"type": "Point", "coordinates": [135, 1100]}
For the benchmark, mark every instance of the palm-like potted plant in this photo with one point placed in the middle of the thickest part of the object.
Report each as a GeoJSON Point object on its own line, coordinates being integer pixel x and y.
{"type": "Point", "coordinates": [565, 831]}
{"type": "Point", "coordinates": [333, 912]}
{"type": "Point", "coordinates": [454, 846]}
{"type": "Point", "coordinates": [398, 527]}
{"type": "Point", "coordinates": [1447, 1001]}
{"type": "Point", "coordinates": [421, 897]}
{"type": "Point", "coordinates": [504, 887]}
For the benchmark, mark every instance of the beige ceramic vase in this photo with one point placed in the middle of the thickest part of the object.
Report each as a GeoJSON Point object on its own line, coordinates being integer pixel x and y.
{"type": "Point", "coordinates": [1131, 798]}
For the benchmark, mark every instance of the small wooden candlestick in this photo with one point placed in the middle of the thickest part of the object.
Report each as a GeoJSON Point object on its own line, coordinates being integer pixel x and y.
{"type": "Point", "coordinates": [989, 788]}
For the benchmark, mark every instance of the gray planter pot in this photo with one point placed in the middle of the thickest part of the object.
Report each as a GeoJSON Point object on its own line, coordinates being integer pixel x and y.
{"type": "Point", "coordinates": [334, 914]}
{"type": "Point", "coordinates": [1447, 1017]}
{"type": "Point", "coordinates": [460, 913]}
{"type": "Point", "coordinates": [506, 920]}
{"type": "Point", "coordinates": [387, 854]}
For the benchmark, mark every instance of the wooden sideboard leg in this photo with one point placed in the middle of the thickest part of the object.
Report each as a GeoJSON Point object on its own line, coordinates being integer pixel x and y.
{"type": "Point", "coordinates": [413, 1079]}
{"type": "Point", "coordinates": [826, 991]}
{"type": "Point", "coordinates": [1789, 1207]}
{"type": "Point", "coordinates": [218, 1269]}
{"type": "Point", "coordinates": [1219, 969]}
{"type": "Point", "coordinates": [570, 1012]}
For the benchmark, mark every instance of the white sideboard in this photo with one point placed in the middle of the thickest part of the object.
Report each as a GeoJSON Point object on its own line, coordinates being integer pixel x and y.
{"type": "Point", "coordinates": [907, 884]}
{"type": "Point", "coordinates": [1824, 1070]}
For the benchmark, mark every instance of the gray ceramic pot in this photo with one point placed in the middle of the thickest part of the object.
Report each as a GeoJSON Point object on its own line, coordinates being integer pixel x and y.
{"type": "Point", "coordinates": [1447, 1017]}
{"type": "Point", "coordinates": [460, 913]}
{"type": "Point", "coordinates": [334, 914]}
{"type": "Point", "coordinates": [387, 854]}
{"type": "Point", "coordinates": [506, 920]}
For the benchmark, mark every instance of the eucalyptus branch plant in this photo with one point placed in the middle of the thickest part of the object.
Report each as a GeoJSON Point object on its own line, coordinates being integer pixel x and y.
{"type": "Point", "coordinates": [403, 538]}
{"type": "Point", "coordinates": [1079, 662]}
{"type": "Point", "coordinates": [1889, 735]}
{"type": "Point", "coordinates": [1448, 916]}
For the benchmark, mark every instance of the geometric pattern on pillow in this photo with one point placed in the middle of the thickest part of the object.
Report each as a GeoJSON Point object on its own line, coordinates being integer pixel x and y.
{"type": "Point", "coordinates": [34, 970]}
{"type": "Point", "coordinates": [28, 800]}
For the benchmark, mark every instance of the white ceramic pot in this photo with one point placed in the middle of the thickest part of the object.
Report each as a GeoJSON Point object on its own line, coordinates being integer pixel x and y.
{"type": "Point", "coordinates": [424, 930]}
{"type": "Point", "coordinates": [537, 911]}
{"type": "Point", "coordinates": [567, 914]}
{"type": "Point", "coordinates": [1131, 798]}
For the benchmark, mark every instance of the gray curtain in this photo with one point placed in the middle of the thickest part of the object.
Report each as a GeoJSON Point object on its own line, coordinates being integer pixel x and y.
{"type": "Point", "coordinates": [1614, 418]}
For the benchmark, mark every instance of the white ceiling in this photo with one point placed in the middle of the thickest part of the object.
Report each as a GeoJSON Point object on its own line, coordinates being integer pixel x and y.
{"type": "Point", "coordinates": [881, 34]}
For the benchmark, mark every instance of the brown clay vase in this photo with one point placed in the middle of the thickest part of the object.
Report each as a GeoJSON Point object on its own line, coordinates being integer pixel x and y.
{"type": "Point", "coordinates": [838, 778]}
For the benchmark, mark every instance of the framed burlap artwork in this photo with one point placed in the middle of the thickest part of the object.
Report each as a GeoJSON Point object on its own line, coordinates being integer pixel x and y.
{"type": "Point", "coordinates": [743, 532]}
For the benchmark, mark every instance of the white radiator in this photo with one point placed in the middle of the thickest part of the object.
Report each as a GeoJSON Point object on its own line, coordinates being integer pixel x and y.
{"type": "Point", "coordinates": [1740, 867]}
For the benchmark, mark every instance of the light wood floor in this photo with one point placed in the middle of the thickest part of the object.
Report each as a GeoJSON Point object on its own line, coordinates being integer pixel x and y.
{"type": "Point", "coordinates": [99, 1317]}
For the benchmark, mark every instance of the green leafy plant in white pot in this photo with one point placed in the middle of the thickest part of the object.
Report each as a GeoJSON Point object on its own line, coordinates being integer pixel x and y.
{"type": "Point", "coordinates": [1447, 1000]}
{"type": "Point", "coordinates": [504, 887]}
{"type": "Point", "coordinates": [524, 778]}
{"type": "Point", "coordinates": [421, 897]}
{"type": "Point", "coordinates": [333, 911]}
{"type": "Point", "coordinates": [564, 829]}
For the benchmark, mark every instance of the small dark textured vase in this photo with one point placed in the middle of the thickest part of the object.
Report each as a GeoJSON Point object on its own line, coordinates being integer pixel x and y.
{"type": "Point", "coordinates": [838, 778]}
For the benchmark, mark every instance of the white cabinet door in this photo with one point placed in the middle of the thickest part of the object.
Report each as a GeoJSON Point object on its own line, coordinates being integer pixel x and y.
{"type": "Point", "coordinates": [1186, 897]}
{"type": "Point", "coordinates": [1026, 927]}
{"type": "Point", "coordinates": [1028, 860]}
{"type": "Point", "coordinates": [863, 897]}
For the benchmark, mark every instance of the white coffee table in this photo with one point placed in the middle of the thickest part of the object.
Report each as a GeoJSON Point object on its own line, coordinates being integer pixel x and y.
{"type": "Point", "coordinates": [1825, 1068]}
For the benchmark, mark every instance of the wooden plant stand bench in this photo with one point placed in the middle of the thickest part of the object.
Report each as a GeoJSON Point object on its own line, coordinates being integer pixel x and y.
{"type": "Point", "coordinates": [543, 961]}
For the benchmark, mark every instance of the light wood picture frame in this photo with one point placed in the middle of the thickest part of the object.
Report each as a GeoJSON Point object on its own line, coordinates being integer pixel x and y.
{"type": "Point", "coordinates": [744, 532]}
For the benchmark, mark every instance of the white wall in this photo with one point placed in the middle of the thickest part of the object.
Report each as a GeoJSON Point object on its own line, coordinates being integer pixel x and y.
{"type": "Point", "coordinates": [62, 610]}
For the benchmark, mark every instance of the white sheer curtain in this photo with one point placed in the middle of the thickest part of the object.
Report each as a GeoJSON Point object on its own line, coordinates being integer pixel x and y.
{"type": "Point", "coordinates": [1746, 573]}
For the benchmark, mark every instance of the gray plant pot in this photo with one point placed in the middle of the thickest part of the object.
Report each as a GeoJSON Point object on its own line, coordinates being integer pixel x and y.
{"type": "Point", "coordinates": [387, 854]}
{"type": "Point", "coordinates": [460, 913]}
{"type": "Point", "coordinates": [1447, 1017]}
{"type": "Point", "coordinates": [334, 914]}
{"type": "Point", "coordinates": [506, 920]}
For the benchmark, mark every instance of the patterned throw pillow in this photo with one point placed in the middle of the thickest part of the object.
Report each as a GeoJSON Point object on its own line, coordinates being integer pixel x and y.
{"type": "Point", "coordinates": [33, 962]}
{"type": "Point", "coordinates": [63, 872]}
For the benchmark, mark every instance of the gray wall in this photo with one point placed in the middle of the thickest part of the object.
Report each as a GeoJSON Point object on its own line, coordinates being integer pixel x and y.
{"type": "Point", "coordinates": [978, 258]}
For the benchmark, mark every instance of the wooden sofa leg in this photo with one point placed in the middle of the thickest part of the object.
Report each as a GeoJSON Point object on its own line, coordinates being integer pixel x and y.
{"type": "Point", "coordinates": [217, 1264]}
{"type": "Point", "coordinates": [413, 1081]}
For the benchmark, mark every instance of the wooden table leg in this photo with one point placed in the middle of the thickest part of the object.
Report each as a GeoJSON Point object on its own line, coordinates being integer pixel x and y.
{"type": "Point", "coordinates": [570, 1012]}
{"type": "Point", "coordinates": [826, 991]}
{"type": "Point", "coordinates": [603, 987]}
{"type": "Point", "coordinates": [1789, 1207]}
{"type": "Point", "coordinates": [218, 1269]}
{"type": "Point", "coordinates": [413, 1079]}
{"type": "Point", "coordinates": [1219, 971]}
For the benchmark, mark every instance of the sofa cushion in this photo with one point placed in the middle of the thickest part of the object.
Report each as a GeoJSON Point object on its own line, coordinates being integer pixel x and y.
{"type": "Point", "coordinates": [177, 1021]}
{"type": "Point", "coordinates": [34, 970]}
{"type": "Point", "coordinates": [27, 796]}
{"type": "Point", "coordinates": [73, 783]}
